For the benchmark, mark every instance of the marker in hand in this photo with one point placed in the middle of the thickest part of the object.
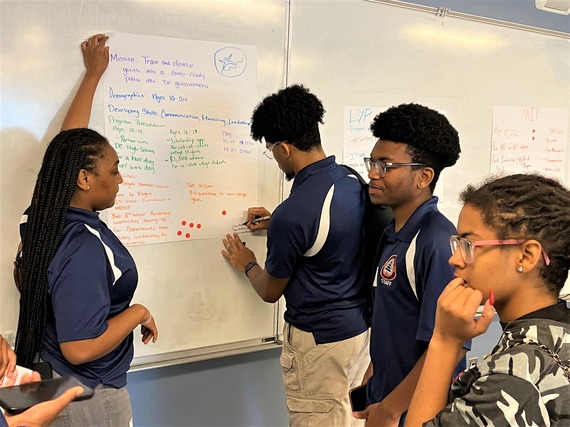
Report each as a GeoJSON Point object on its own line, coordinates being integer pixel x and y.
{"type": "Point", "coordinates": [258, 220]}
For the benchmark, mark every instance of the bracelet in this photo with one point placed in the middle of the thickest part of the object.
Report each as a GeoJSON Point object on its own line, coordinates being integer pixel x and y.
{"type": "Point", "coordinates": [148, 321]}
{"type": "Point", "coordinates": [248, 267]}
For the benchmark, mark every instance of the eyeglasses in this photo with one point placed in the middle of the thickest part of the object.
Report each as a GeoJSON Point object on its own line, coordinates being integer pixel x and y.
{"type": "Point", "coordinates": [381, 166]}
{"type": "Point", "coordinates": [467, 247]}
{"type": "Point", "coordinates": [269, 151]}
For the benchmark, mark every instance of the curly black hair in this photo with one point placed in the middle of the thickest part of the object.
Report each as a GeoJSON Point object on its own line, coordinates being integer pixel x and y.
{"type": "Point", "coordinates": [528, 206]}
{"type": "Point", "coordinates": [293, 114]}
{"type": "Point", "coordinates": [430, 137]}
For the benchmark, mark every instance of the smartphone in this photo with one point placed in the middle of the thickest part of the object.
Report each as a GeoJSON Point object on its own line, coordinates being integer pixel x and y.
{"type": "Point", "coordinates": [358, 398]}
{"type": "Point", "coordinates": [18, 398]}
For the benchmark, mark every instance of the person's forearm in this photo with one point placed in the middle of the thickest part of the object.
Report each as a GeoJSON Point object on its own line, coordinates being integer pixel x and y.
{"type": "Point", "coordinates": [261, 282]}
{"type": "Point", "coordinates": [432, 389]}
{"type": "Point", "coordinates": [120, 326]}
{"type": "Point", "coordinates": [398, 401]}
{"type": "Point", "coordinates": [79, 112]}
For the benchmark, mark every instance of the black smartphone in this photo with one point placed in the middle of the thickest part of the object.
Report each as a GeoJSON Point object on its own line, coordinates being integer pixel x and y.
{"type": "Point", "coordinates": [358, 398]}
{"type": "Point", "coordinates": [18, 398]}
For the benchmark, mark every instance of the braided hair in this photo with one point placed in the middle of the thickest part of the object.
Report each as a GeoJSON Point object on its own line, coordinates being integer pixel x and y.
{"type": "Point", "coordinates": [529, 206]}
{"type": "Point", "coordinates": [68, 153]}
{"type": "Point", "coordinates": [293, 114]}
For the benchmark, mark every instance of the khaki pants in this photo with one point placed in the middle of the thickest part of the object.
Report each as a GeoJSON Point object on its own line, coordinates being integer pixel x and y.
{"type": "Point", "coordinates": [317, 378]}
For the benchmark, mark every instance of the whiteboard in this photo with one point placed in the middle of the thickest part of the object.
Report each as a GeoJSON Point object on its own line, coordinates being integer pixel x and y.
{"type": "Point", "coordinates": [203, 308]}
{"type": "Point", "coordinates": [378, 55]}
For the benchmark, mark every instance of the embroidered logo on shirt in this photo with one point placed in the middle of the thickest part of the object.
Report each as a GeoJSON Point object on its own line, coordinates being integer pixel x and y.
{"type": "Point", "coordinates": [388, 271]}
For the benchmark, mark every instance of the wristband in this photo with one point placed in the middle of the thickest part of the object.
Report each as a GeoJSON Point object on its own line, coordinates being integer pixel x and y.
{"type": "Point", "coordinates": [248, 267]}
{"type": "Point", "coordinates": [148, 321]}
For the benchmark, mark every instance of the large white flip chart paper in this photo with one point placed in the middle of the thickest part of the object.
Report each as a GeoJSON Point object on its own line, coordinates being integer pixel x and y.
{"type": "Point", "coordinates": [530, 139]}
{"type": "Point", "coordinates": [178, 114]}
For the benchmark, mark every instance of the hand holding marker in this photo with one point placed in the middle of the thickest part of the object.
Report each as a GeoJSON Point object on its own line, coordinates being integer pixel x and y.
{"type": "Point", "coordinates": [258, 220]}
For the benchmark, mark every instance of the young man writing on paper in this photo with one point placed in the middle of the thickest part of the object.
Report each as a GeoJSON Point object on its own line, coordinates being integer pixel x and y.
{"type": "Point", "coordinates": [314, 258]}
{"type": "Point", "coordinates": [414, 145]}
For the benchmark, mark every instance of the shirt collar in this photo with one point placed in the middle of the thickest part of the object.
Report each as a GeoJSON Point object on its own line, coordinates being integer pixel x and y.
{"type": "Point", "coordinates": [558, 312]}
{"type": "Point", "coordinates": [312, 169]}
{"type": "Point", "coordinates": [84, 215]}
{"type": "Point", "coordinates": [414, 222]}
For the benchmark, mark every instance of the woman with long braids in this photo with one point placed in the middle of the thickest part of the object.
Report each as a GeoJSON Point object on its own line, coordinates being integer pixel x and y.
{"type": "Point", "coordinates": [512, 253]}
{"type": "Point", "coordinates": [78, 279]}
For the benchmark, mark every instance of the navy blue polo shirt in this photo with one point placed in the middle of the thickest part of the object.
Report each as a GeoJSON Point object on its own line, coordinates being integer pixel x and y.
{"type": "Point", "coordinates": [412, 273]}
{"type": "Point", "coordinates": [314, 239]}
{"type": "Point", "coordinates": [91, 279]}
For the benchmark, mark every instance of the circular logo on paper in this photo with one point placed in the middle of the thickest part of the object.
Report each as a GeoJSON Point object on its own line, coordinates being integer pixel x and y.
{"type": "Point", "coordinates": [230, 61]}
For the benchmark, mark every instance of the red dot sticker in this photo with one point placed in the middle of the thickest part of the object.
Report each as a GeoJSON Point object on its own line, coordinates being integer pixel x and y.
{"type": "Point", "coordinates": [224, 212]}
{"type": "Point", "coordinates": [189, 224]}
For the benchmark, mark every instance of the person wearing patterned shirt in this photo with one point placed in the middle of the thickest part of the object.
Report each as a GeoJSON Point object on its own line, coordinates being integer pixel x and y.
{"type": "Point", "coordinates": [512, 252]}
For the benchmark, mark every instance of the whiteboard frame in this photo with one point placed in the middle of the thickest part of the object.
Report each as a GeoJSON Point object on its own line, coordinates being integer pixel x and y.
{"type": "Point", "coordinates": [445, 11]}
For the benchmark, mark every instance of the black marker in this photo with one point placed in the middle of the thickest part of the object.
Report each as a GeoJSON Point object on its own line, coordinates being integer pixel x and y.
{"type": "Point", "coordinates": [258, 220]}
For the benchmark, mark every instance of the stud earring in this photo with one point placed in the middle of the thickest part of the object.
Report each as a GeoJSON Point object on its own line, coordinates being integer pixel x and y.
{"type": "Point", "coordinates": [88, 188]}
{"type": "Point", "coordinates": [520, 269]}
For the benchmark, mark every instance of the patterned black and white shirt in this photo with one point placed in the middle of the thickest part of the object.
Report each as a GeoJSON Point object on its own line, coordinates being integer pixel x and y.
{"type": "Point", "coordinates": [521, 383]}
